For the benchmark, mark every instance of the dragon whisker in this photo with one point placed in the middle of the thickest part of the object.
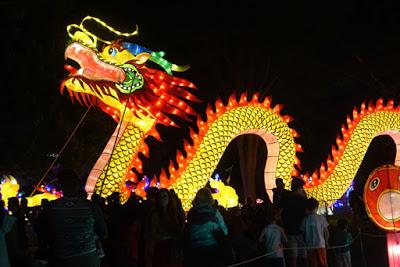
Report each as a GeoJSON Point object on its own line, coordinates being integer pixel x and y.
{"type": "Point", "coordinates": [85, 99]}
{"type": "Point", "coordinates": [77, 97]}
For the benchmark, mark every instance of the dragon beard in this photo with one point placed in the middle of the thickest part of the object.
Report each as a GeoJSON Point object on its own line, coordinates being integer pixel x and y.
{"type": "Point", "coordinates": [161, 96]}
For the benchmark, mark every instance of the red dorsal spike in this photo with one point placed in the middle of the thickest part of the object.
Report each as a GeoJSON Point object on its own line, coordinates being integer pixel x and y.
{"type": "Point", "coordinates": [179, 155]}
{"type": "Point", "coordinates": [186, 145]}
{"type": "Point", "coordinates": [218, 103]}
{"type": "Point", "coordinates": [192, 134]}
{"type": "Point", "coordinates": [343, 128]}
{"type": "Point", "coordinates": [371, 105]}
{"type": "Point", "coordinates": [299, 148]}
{"type": "Point", "coordinates": [171, 166]}
{"type": "Point", "coordinates": [355, 114]}
{"type": "Point", "coordinates": [390, 104]}
{"type": "Point", "coordinates": [243, 97]}
{"type": "Point", "coordinates": [287, 119]}
{"type": "Point", "coordinates": [256, 96]}
{"type": "Point", "coordinates": [380, 102]}
{"type": "Point", "coordinates": [164, 182]}
{"type": "Point", "coordinates": [163, 174]}
{"type": "Point", "coordinates": [155, 134]}
{"type": "Point", "coordinates": [233, 96]}
{"type": "Point", "coordinates": [277, 109]}
{"type": "Point", "coordinates": [295, 133]}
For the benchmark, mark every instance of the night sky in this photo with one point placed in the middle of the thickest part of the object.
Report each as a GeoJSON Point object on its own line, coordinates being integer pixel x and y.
{"type": "Point", "coordinates": [318, 61]}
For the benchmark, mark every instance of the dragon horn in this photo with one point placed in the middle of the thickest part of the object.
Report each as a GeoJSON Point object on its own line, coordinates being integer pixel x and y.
{"type": "Point", "coordinates": [180, 68]}
{"type": "Point", "coordinates": [111, 29]}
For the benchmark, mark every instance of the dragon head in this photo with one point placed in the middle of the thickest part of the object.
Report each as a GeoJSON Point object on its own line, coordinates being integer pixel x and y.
{"type": "Point", "coordinates": [116, 78]}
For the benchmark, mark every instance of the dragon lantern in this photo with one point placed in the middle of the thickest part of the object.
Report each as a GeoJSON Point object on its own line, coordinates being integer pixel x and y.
{"type": "Point", "coordinates": [137, 87]}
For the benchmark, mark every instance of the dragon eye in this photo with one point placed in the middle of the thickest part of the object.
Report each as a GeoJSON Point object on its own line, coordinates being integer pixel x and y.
{"type": "Point", "coordinates": [112, 51]}
{"type": "Point", "coordinates": [374, 184]}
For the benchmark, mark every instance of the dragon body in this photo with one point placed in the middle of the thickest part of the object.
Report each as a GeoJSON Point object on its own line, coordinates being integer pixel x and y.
{"type": "Point", "coordinates": [119, 80]}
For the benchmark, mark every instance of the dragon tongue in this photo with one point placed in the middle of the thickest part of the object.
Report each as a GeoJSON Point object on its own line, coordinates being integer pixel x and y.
{"type": "Point", "coordinates": [70, 69]}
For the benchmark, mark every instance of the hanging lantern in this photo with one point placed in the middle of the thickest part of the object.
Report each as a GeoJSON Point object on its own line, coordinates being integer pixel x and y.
{"type": "Point", "coordinates": [382, 197]}
{"type": "Point", "coordinates": [382, 203]}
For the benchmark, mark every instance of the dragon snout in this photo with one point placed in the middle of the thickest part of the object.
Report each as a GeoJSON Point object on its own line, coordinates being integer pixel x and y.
{"type": "Point", "coordinates": [91, 66]}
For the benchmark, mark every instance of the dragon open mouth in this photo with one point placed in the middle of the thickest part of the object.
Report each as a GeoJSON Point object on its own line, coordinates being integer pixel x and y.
{"type": "Point", "coordinates": [71, 66]}
{"type": "Point", "coordinates": [90, 66]}
{"type": "Point", "coordinates": [83, 62]}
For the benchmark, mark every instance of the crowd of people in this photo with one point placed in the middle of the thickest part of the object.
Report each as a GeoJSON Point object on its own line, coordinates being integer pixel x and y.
{"type": "Point", "coordinates": [73, 231]}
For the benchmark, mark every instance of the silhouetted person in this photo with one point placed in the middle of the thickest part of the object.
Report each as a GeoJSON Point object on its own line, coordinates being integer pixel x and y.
{"type": "Point", "coordinates": [165, 228]}
{"type": "Point", "coordinates": [179, 209]}
{"type": "Point", "coordinates": [273, 237]}
{"type": "Point", "coordinates": [71, 224]}
{"type": "Point", "coordinates": [6, 224]}
{"type": "Point", "coordinates": [44, 203]}
{"type": "Point", "coordinates": [203, 221]}
{"type": "Point", "coordinates": [114, 254]}
{"type": "Point", "coordinates": [132, 215]}
{"type": "Point", "coordinates": [101, 201]}
{"type": "Point", "coordinates": [316, 235]}
{"type": "Point", "coordinates": [280, 193]}
{"type": "Point", "coordinates": [17, 241]}
{"type": "Point", "coordinates": [357, 206]}
{"type": "Point", "coordinates": [294, 210]}
{"type": "Point", "coordinates": [23, 206]}
{"type": "Point", "coordinates": [148, 242]}
{"type": "Point", "coordinates": [43, 250]}
{"type": "Point", "coordinates": [242, 242]}
{"type": "Point", "coordinates": [341, 237]}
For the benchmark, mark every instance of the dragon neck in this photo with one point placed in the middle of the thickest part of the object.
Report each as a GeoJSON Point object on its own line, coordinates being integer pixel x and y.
{"type": "Point", "coordinates": [111, 168]}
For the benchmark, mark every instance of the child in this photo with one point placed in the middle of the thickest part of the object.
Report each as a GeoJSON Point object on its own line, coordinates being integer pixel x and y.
{"type": "Point", "coordinates": [316, 235]}
{"type": "Point", "coordinates": [343, 238]}
{"type": "Point", "coordinates": [273, 237]}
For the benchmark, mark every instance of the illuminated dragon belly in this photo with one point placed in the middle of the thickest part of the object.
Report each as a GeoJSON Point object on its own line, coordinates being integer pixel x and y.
{"type": "Point", "coordinates": [113, 173]}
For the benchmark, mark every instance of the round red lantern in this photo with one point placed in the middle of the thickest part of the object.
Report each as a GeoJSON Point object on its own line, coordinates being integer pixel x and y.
{"type": "Point", "coordinates": [382, 197]}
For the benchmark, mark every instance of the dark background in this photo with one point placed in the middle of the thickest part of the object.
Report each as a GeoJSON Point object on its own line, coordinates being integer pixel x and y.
{"type": "Point", "coordinates": [318, 60]}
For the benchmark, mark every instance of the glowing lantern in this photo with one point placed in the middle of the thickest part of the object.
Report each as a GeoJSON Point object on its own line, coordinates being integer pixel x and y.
{"type": "Point", "coordinates": [224, 194]}
{"type": "Point", "coordinates": [382, 197]}
{"type": "Point", "coordinates": [8, 188]}
{"type": "Point", "coordinates": [382, 203]}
